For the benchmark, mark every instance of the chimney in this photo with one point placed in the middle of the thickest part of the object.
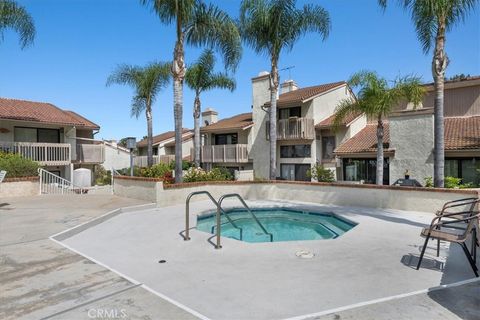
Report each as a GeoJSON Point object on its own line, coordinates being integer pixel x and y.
{"type": "Point", "coordinates": [287, 86]}
{"type": "Point", "coordinates": [209, 116]}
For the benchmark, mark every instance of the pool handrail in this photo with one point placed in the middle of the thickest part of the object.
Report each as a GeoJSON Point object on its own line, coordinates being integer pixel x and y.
{"type": "Point", "coordinates": [219, 210]}
{"type": "Point", "coordinates": [187, 214]}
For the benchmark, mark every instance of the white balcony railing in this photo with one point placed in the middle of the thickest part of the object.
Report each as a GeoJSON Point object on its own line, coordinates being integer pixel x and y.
{"type": "Point", "coordinates": [46, 154]}
{"type": "Point", "coordinates": [231, 153]}
{"type": "Point", "coordinates": [141, 161]}
{"type": "Point", "coordinates": [294, 129]}
{"type": "Point", "coordinates": [90, 153]}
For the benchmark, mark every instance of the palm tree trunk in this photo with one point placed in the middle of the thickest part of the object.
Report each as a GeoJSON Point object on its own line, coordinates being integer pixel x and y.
{"type": "Point", "coordinates": [439, 65]}
{"type": "Point", "coordinates": [273, 118]}
{"type": "Point", "coordinates": [380, 133]}
{"type": "Point", "coordinates": [196, 129]}
{"type": "Point", "coordinates": [178, 72]}
{"type": "Point", "coordinates": [148, 113]}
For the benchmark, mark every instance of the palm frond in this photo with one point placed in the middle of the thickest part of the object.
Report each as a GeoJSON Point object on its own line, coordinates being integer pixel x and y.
{"type": "Point", "coordinates": [212, 27]}
{"type": "Point", "coordinates": [345, 109]}
{"type": "Point", "coordinates": [17, 18]}
{"type": "Point", "coordinates": [170, 10]}
{"type": "Point", "coordinates": [221, 81]}
{"type": "Point", "coordinates": [314, 18]}
{"type": "Point", "coordinates": [138, 106]}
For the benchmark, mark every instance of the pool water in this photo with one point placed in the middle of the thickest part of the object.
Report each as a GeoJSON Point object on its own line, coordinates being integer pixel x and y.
{"type": "Point", "coordinates": [283, 224]}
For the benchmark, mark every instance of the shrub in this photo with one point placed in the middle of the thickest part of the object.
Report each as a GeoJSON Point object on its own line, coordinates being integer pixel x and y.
{"type": "Point", "coordinates": [102, 176]}
{"type": "Point", "coordinates": [319, 173]}
{"type": "Point", "coordinates": [428, 182]}
{"type": "Point", "coordinates": [17, 166]}
{"type": "Point", "coordinates": [156, 171]}
{"type": "Point", "coordinates": [185, 165]}
{"type": "Point", "coordinates": [198, 174]}
{"type": "Point", "coordinates": [456, 183]}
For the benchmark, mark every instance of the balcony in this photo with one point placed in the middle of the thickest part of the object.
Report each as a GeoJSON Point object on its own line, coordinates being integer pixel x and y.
{"type": "Point", "coordinates": [141, 161]}
{"type": "Point", "coordinates": [46, 154]}
{"type": "Point", "coordinates": [90, 153]}
{"type": "Point", "coordinates": [225, 153]}
{"type": "Point", "coordinates": [294, 129]}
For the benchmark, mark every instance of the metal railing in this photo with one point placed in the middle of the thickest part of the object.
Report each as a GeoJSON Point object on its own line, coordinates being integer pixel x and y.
{"type": "Point", "coordinates": [187, 215]}
{"type": "Point", "coordinates": [53, 184]}
{"type": "Point", "coordinates": [46, 154]}
{"type": "Point", "coordinates": [233, 153]}
{"type": "Point", "coordinates": [219, 208]}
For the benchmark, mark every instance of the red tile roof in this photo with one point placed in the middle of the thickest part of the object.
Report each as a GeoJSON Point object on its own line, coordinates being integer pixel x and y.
{"type": "Point", "coordinates": [23, 110]}
{"type": "Point", "coordinates": [365, 140]}
{"type": "Point", "coordinates": [462, 133]}
{"type": "Point", "coordinates": [328, 122]}
{"type": "Point", "coordinates": [237, 122]}
{"type": "Point", "coordinates": [159, 138]}
{"type": "Point", "coordinates": [185, 137]}
{"type": "Point", "coordinates": [304, 94]}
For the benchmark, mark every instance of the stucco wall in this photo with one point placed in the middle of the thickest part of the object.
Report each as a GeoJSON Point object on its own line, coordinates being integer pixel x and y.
{"type": "Point", "coordinates": [115, 158]}
{"type": "Point", "coordinates": [260, 145]}
{"type": "Point", "coordinates": [19, 187]}
{"type": "Point", "coordinates": [412, 138]}
{"type": "Point", "coordinates": [137, 188]}
{"type": "Point", "coordinates": [413, 199]}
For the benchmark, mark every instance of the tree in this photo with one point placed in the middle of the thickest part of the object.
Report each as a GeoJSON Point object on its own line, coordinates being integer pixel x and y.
{"type": "Point", "coordinates": [16, 17]}
{"type": "Point", "coordinates": [147, 82]}
{"type": "Point", "coordinates": [200, 77]}
{"type": "Point", "coordinates": [197, 24]}
{"type": "Point", "coordinates": [432, 19]}
{"type": "Point", "coordinates": [376, 99]}
{"type": "Point", "coordinates": [270, 26]}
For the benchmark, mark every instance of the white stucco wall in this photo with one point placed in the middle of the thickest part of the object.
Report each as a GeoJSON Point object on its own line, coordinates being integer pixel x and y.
{"type": "Point", "coordinates": [115, 158]}
{"type": "Point", "coordinates": [411, 135]}
{"type": "Point", "coordinates": [399, 198]}
{"type": "Point", "coordinates": [25, 188]}
{"type": "Point", "coordinates": [260, 145]}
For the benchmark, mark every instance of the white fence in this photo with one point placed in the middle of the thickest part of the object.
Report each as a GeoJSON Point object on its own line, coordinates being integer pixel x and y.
{"type": "Point", "coordinates": [141, 161]}
{"type": "Point", "coordinates": [232, 153]}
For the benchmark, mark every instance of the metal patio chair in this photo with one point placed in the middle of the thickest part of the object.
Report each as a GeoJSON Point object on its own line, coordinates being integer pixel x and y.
{"type": "Point", "coordinates": [448, 230]}
{"type": "Point", "coordinates": [466, 207]}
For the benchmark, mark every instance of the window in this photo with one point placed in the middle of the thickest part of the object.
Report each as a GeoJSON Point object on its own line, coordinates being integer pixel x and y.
{"type": "Point", "coordinates": [328, 145]}
{"type": "Point", "coordinates": [297, 172]}
{"type": "Point", "coordinates": [228, 138]}
{"type": "Point", "coordinates": [286, 113]}
{"type": "Point", "coordinates": [365, 169]}
{"type": "Point", "coordinates": [468, 169]}
{"type": "Point", "coordinates": [295, 151]}
{"type": "Point", "coordinates": [23, 134]}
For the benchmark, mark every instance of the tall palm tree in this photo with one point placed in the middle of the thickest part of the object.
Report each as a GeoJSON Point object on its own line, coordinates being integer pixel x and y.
{"type": "Point", "coordinates": [197, 24]}
{"type": "Point", "coordinates": [147, 82]}
{"type": "Point", "coordinates": [16, 17]}
{"type": "Point", "coordinates": [432, 19]}
{"type": "Point", "coordinates": [376, 98]}
{"type": "Point", "coordinates": [200, 77]}
{"type": "Point", "coordinates": [270, 26]}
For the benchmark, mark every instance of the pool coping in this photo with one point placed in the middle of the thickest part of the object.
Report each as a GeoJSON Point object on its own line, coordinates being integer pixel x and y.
{"type": "Point", "coordinates": [63, 235]}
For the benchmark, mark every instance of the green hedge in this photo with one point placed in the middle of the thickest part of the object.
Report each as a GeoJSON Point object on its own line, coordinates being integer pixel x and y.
{"type": "Point", "coordinates": [17, 166]}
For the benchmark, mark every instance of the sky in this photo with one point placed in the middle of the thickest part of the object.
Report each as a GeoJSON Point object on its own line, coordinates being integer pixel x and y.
{"type": "Point", "coordinates": [80, 42]}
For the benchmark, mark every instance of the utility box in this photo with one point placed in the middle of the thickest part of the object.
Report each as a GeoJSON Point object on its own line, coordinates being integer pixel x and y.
{"type": "Point", "coordinates": [82, 177]}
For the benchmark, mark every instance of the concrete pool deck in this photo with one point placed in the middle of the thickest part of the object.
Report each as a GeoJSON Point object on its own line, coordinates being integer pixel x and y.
{"type": "Point", "coordinates": [373, 261]}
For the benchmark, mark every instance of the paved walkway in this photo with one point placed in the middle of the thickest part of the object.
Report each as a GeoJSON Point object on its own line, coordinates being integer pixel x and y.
{"type": "Point", "coordinates": [42, 280]}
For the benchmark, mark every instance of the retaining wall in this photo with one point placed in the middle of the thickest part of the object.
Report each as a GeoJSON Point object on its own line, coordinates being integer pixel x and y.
{"type": "Point", "coordinates": [389, 197]}
{"type": "Point", "coordinates": [19, 187]}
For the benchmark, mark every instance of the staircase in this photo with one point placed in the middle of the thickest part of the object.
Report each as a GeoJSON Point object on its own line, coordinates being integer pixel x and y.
{"type": "Point", "coordinates": [52, 184]}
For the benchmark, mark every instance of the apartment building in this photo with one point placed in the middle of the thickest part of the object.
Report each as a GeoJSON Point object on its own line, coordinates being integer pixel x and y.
{"type": "Point", "coordinates": [59, 140]}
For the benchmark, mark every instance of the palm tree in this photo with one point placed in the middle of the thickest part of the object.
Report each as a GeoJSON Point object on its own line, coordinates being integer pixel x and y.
{"type": "Point", "coordinates": [432, 19]}
{"type": "Point", "coordinates": [376, 99]}
{"type": "Point", "coordinates": [197, 24]}
{"type": "Point", "coordinates": [17, 18]}
{"type": "Point", "coordinates": [147, 82]}
{"type": "Point", "coordinates": [200, 77]}
{"type": "Point", "coordinates": [270, 26]}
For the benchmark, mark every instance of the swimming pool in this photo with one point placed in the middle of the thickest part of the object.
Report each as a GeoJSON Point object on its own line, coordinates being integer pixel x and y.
{"type": "Point", "coordinates": [284, 224]}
